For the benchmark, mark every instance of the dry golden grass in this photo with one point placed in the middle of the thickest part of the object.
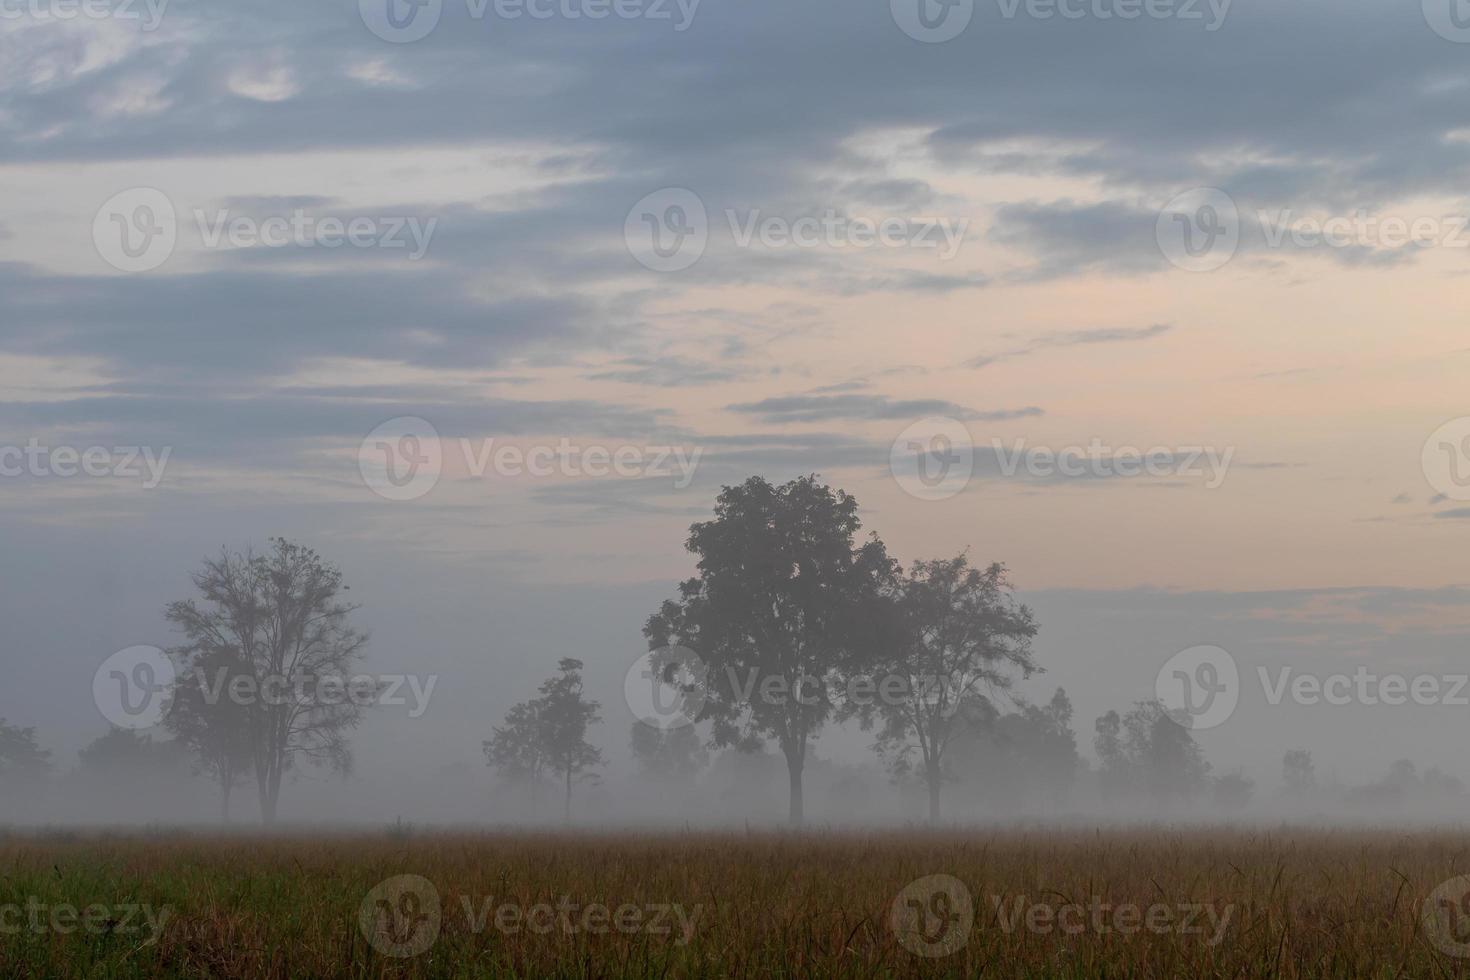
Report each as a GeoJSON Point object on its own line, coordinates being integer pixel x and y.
{"type": "Point", "coordinates": [1301, 904]}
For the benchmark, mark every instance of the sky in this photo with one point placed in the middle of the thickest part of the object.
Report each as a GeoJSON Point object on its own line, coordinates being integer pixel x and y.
{"type": "Point", "coordinates": [486, 301]}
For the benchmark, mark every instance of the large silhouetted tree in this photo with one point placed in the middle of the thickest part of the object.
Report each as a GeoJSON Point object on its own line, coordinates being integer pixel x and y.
{"type": "Point", "coordinates": [784, 604]}
{"type": "Point", "coordinates": [960, 637]}
{"type": "Point", "coordinates": [279, 621]}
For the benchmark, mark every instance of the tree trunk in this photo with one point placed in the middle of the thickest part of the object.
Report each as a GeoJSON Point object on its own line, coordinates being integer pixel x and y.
{"type": "Point", "coordinates": [566, 813]}
{"type": "Point", "coordinates": [932, 777]}
{"type": "Point", "coordinates": [270, 795]}
{"type": "Point", "coordinates": [225, 787]}
{"type": "Point", "coordinates": [793, 769]}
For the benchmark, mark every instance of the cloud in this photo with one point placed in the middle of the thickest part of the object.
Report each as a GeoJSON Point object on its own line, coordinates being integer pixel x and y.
{"type": "Point", "coordinates": [668, 372]}
{"type": "Point", "coordinates": [825, 408]}
{"type": "Point", "coordinates": [1073, 338]}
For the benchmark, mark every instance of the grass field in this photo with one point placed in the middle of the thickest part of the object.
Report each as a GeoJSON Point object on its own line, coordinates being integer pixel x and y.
{"type": "Point", "coordinates": [1006, 904]}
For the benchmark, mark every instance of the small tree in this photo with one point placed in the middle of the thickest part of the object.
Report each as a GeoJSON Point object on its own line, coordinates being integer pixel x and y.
{"type": "Point", "coordinates": [206, 720]}
{"type": "Point", "coordinates": [517, 748]}
{"type": "Point", "coordinates": [1148, 750]}
{"type": "Point", "coordinates": [565, 717]}
{"type": "Point", "coordinates": [278, 619]}
{"type": "Point", "coordinates": [677, 754]}
{"type": "Point", "coordinates": [1163, 751]}
{"type": "Point", "coordinates": [1298, 772]}
{"type": "Point", "coordinates": [1233, 791]}
{"type": "Point", "coordinates": [1113, 763]}
{"type": "Point", "coordinates": [21, 758]}
{"type": "Point", "coordinates": [549, 734]}
{"type": "Point", "coordinates": [960, 635]}
{"type": "Point", "coordinates": [122, 756]}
